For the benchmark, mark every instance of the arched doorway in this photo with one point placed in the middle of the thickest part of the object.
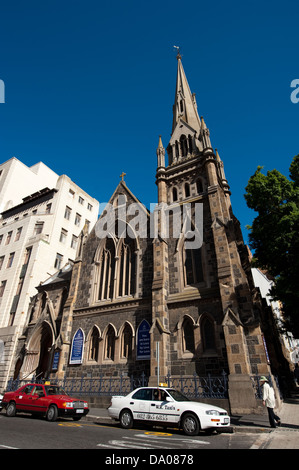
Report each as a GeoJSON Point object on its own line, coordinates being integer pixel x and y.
{"type": "Point", "coordinates": [46, 342]}
{"type": "Point", "coordinates": [38, 357]}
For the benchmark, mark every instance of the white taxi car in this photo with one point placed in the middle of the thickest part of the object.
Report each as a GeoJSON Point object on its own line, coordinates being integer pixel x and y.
{"type": "Point", "coordinates": [167, 407]}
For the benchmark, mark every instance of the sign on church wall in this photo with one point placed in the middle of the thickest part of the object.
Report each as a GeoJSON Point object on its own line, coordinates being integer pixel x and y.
{"type": "Point", "coordinates": [143, 341]}
{"type": "Point", "coordinates": [76, 356]}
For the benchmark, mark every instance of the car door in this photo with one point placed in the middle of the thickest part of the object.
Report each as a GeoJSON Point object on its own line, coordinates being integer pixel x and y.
{"type": "Point", "coordinates": [140, 404]}
{"type": "Point", "coordinates": [37, 400]}
{"type": "Point", "coordinates": [161, 409]}
{"type": "Point", "coordinates": [23, 398]}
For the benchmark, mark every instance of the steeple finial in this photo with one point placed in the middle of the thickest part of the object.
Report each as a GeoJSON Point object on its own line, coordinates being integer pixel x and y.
{"type": "Point", "coordinates": [178, 54]}
{"type": "Point", "coordinates": [122, 176]}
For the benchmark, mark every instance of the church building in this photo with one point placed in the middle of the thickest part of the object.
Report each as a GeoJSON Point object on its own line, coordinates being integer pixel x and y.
{"type": "Point", "coordinates": [163, 293]}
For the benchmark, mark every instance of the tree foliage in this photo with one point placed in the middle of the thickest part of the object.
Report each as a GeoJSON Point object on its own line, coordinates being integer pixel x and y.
{"type": "Point", "coordinates": [274, 234]}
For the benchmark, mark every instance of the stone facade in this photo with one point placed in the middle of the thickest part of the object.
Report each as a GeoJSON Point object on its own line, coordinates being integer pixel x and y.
{"type": "Point", "coordinates": [199, 302]}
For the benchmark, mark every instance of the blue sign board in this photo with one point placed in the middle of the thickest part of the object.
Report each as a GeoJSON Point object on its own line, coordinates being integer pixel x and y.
{"type": "Point", "coordinates": [143, 341]}
{"type": "Point", "coordinates": [77, 347]}
{"type": "Point", "coordinates": [56, 359]}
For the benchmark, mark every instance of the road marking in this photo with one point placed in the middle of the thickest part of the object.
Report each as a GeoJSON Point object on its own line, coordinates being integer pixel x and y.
{"type": "Point", "coordinates": [70, 425]}
{"type": "Point", "coordinates": [173, 439]}
{"type": "Point", "coordinates": [150, 441]}
{"type": "Point", "coordinates": [8, 447]}
{"type": "Point", "coordinates": [154, 433]}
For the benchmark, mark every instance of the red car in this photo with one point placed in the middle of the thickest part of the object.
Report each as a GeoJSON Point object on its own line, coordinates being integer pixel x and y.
{"type": "Point", "coordinates": [45, 399]}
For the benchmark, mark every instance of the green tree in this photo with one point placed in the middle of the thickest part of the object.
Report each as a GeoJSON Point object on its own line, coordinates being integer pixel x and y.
{"type": "Point", "coordinates": [274, 235]}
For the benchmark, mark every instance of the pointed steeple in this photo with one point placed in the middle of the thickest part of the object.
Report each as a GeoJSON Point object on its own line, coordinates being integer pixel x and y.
{"type": "Point", "coordinates": [185, 139]}
{"type": "Point", "coordinates": [185, 106]}
{"type": "Point", "coordinates": [161, 154]}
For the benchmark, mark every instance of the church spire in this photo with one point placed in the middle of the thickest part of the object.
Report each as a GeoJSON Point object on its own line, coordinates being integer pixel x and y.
{"type": "Point", "coordinates": [185, 106]}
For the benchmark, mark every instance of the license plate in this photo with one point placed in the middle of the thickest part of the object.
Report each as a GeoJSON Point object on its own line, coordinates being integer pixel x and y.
{"type": "Point", "coordinates": [79, 411]}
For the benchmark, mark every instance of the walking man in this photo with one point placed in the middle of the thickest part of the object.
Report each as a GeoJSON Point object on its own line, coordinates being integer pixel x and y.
{"type": "Point", "coordinates": [269, 402]}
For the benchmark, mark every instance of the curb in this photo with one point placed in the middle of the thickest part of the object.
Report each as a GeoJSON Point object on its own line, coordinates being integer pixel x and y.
{"type": "Point", "coordinates": [230, 430]}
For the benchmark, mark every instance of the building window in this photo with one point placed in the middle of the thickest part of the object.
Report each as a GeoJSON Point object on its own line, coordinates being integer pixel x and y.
{"type": "Point", "coordinates": [2, 287]}
{"type": "Point", "coordinates": [74, 242]}
{"type": "Point", "coordinates": [110, 343]}
{"type": "Point", "coordinates": [27, 255]}
{"type": "Point", "coordinates": [71, 193]}
{"type": "Point", "coordinates": [89, 207]}
{"type": "Point", "coordinates": [199, 186]}
{"type": "Point", "coordinates": [94, 345]}
{"type": "Point", "coordinates": [192, 263]}
{"type": "Point", "coordinates": [107, 269]}
{"type": "Point", "coordinates": [58, 261]}
{"type": "Point", "coordinates": [48, 208]}
{"type": "Point", "coordinates": [67, 213]}
{"type": "Point", "coordinates": [174, 194]}
{"type": "Point", "coordinates": [8, 238]}
{"type": "Point", "coordinates": [1, 238]}
{"type": "Point", "coordinates": [127, 342]}
{"type": "Point", "coordinates": [77, 219]}
{"type": "Point", "coordinates": [18, 234]}
{"type": "Point", "coordinates": [10, 260]}
{"type": "Point", "coordinates": [63, 236]}
{"type": "Point", "coordinates": [187, 190]}
{"type": "Point", "coordinates": [38, 228]}
{"type": "Point", "coordinates": [81, 200]}
{"type": "Point", "coordinates": [127, 269]}
{"type": "Point", "coordinates": [1, 261]}
{"type": "Point", "coordinates": [188, 335]}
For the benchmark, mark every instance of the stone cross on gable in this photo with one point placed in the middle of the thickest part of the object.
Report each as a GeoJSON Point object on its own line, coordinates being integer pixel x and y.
{"type": "Point", "coordinates": [122, 176]}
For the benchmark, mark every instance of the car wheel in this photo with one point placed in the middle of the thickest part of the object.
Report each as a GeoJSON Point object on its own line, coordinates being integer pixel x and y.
{"type": "Point", "coordinates": [11, 409]}
{"type": "Point", "coordinates": [126, 419]}
{"type": "Point", "coordinates": [52, 413]}
{"type": "Point", "coordinates": [190, 424]}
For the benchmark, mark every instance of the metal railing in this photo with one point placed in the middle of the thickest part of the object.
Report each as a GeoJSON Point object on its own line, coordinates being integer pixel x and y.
{"type": "Point", "coordinates": [89, 386]}
{"type": "Point", "coordinates": [194, 386]}
{"type": "Point", "coordinates": [191, 386]}
{"type": "Point", "coordinates": [255, 379]}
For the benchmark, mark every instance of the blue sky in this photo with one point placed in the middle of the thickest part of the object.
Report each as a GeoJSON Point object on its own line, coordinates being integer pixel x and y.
{"type": "Point", "coordinates": [89, 86]}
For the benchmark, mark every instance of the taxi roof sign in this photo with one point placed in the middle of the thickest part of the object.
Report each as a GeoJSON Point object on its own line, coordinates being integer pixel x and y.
{"type": "Point", "coordinates": [47, 383]}
{"type": "Point", "coordinates": [162, 384]}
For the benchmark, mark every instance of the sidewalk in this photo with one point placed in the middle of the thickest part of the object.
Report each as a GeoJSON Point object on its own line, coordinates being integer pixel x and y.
{"type": "Point", "coordinates": [289, 415]}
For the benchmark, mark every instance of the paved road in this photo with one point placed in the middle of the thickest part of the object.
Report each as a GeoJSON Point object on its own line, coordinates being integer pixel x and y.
{"type": "Point", "coordinates": [25, 432]}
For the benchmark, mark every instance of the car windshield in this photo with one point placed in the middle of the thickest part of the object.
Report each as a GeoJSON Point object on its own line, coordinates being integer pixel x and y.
{"type": "Point", "coordinates": [176, 395]}
{"type": "Point", "coordinates": [54, 390]}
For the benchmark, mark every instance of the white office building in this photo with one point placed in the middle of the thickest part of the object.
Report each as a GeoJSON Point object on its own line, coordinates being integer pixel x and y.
{"type": "Point", "coordinates": [42, 215]}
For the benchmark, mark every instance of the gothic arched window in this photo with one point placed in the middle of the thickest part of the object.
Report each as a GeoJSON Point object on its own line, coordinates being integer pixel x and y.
{"type": "Point", "coordinates": [192, 263]}
{"type": "Point", "coordinates": [188, 335]}
{"type": "Point", "coordinates": [127, 342]}
{"type": "Point", "coordinates": [110, 343]}
{"type": "Point", "coordinates": [127, 268]}
{"type": "Point", "coordinates": [199, 186]}
{"type": "Point", "coordinates": [94, 344]}
{"type": "Point", "coordinates": [187, 190]}
{"type": "Point", "coordinates": [174, 194]}
{"type": "Point", "coordinates": [184, 146]}
{"type": "Point", "coordinates": [107, 268]}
